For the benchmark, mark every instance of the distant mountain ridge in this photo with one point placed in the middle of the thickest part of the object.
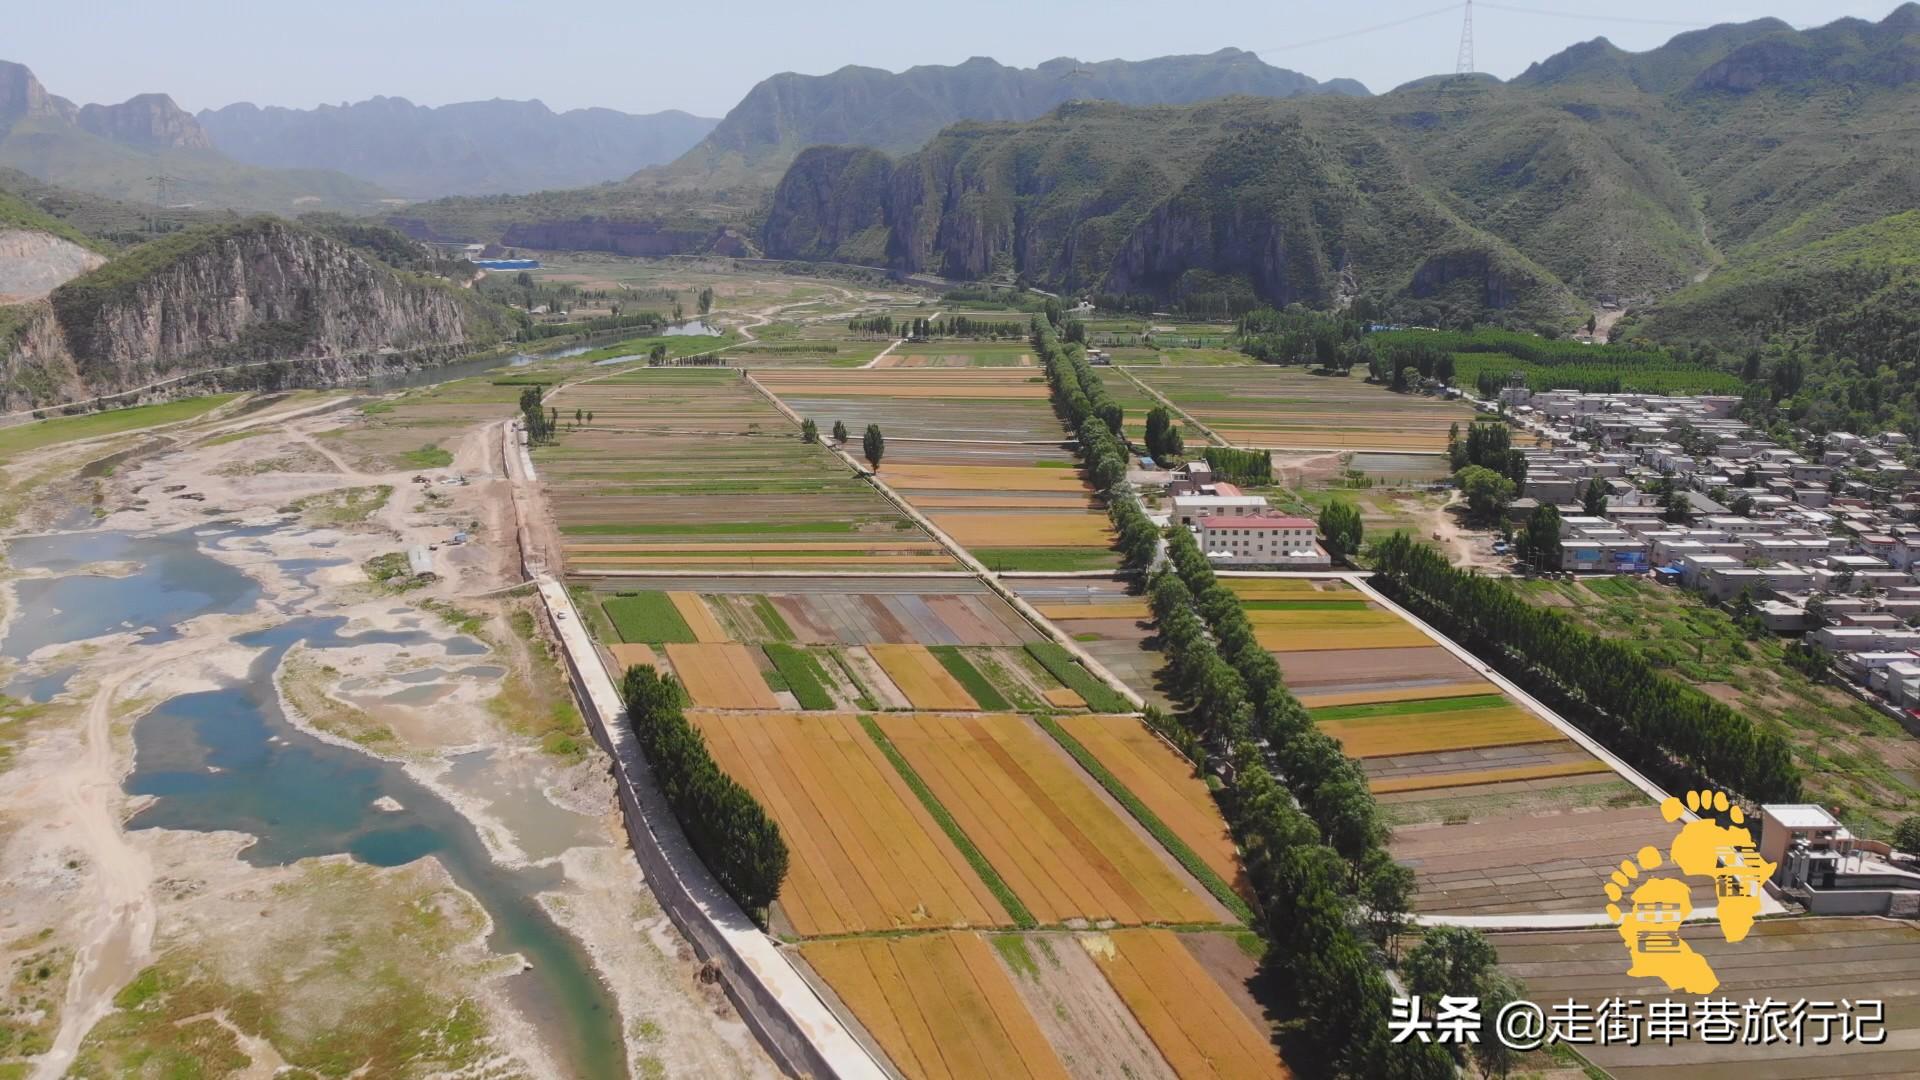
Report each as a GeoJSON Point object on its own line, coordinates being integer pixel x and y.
{"type": "Point", "coordinates": [897, 112]}
{"type": "Point", "coordinates": [468, 148]}
{"type": "Point", "coordinates": [712, 188]}
{"type": "Point", "coordinates": [114, 150]}
{"type": "Point", "coordinates": [1598, 175]}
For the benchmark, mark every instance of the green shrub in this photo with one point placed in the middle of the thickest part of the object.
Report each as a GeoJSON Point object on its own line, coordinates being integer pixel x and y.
{"type": "Point", "coordinates": [1061, 665]}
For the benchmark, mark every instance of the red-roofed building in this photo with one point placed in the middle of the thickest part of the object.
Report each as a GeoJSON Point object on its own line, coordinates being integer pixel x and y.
{"type": "Point", "coordinates": [1269, 540]}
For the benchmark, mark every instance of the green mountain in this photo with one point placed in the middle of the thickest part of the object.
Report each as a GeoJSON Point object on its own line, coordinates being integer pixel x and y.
{"type": "Point", "coordinates": [1598, 176]}
{"type": "Point", "coordinates": [117, 150]}
{"type": "Point", "coordinates": [697, 202]}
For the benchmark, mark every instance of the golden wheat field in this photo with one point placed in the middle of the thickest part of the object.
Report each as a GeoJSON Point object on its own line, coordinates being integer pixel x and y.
{"type": "Point", "coordinates": [1026, 530]}
{"type": "Point", "coordinates": [1039, 822]}
{"type": "Point", "coordinates": [1159, 777]}
{"type": "Point", "coordinates": [1190, 1019]}
{"type": "Point", "coordinates": [865, 854]}
{"type": "Point", "coordinates": [919, 675]}
{"type": "Point", "coordinates": [721, 676]}
{"type": "Point", "coordinates": [940, 1005]}
{"type": "Point", "coordinates": [1421, 733]}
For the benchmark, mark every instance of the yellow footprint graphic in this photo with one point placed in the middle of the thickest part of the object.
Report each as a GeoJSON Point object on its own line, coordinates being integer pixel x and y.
{"type": "Point", "coordinates": [1650, 926]}
{"type": "Point", "coordinates": [1726, 853]}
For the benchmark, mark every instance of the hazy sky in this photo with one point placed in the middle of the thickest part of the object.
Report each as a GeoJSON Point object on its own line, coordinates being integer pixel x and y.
{"type": "Point", "coordinates": [702, 57]}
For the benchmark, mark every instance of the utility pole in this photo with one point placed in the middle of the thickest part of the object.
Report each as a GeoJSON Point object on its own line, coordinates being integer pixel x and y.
{"type": "Point", "coordinates": [1464, 64]}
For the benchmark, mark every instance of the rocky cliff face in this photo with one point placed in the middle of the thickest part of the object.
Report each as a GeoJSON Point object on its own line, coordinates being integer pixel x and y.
{"type": "Point", "coordinates": [147, 121]}
{"type": "Point", "coordinates": [1224, 199]}
{"type": "Point", "coordinates": [259, 290]}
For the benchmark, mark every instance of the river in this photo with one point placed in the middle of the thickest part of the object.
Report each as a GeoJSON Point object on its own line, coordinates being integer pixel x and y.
{"type": "Point", "coordinates": [230, 760]}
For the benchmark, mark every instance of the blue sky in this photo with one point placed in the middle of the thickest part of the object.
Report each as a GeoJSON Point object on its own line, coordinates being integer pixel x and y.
{"type": "Point", "coordinates": [639, 56]}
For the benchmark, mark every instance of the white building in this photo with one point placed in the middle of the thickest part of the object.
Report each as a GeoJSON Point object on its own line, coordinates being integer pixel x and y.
{"type": "Point", "coordinates": [1189, 509]}
{"type": "Point", "coordinates": [1272, 540]}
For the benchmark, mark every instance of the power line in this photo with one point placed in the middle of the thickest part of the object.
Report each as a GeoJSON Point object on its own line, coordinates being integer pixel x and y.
{"type": "Point", "coordinates": [1593, 16]}
{"type": "Point", "coordinates": [1448, 10]}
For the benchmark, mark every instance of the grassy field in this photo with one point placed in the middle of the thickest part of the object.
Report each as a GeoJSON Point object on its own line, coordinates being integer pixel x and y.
{"type": "Point", "coordinates": [1861, 765]}
{"type": "Point", "coordinates": [62, 429]}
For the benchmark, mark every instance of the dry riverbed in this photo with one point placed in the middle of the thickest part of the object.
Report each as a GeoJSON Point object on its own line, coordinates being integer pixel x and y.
{"type": "Point", "coordinates": [132, 951]}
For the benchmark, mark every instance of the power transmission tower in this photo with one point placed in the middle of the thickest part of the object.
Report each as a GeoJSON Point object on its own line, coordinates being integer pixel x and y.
{"type": "Point", "coordinates": [1464, 65]}
{"type": "Point", "coordinates": [161, 183]}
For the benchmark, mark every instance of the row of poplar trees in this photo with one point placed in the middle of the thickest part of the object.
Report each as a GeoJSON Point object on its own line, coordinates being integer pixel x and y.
{"type": "Point", "coordinates": [727, 827]}
{"type": "Point", "coordinates": [1311, 836]}
{"type": "Point", "coordinates": [1082, 401]}
{"type": "Point", "coordinates": [1659, 724]}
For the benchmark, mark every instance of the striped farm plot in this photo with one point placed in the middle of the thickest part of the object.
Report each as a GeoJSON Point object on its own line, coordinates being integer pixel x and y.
{"type": "Point", "coordinates": [1350, 627]}
{"type": "Point", "coordinates": [722, 676]}
{"type": "Point", "coordinates": [1060, 846]}
{"type": "Point", "coordinates": [1781, 960]}
{"type": "Point", "coordinates": [1288, 408]}
{"type": "Point", "coordinates": [1195, 1024]}
{"type": "Point", "coordinates": [978, 404]}
{"type": "Point", "coordinates": [1106, 621]}
{"type": "Point", "coordinates": [694, 469]}
{"type": "Point", "coordinates": [866, 855]}
{"type": "Point", "coordinates": [922, 678]}
{"type": "Point", "coordinates": [938, 1006]}
{"type": "Point", "coordinates": [1165, 782]}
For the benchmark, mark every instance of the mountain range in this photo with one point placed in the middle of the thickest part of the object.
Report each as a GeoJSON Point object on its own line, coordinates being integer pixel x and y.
{"type": "Point", "coordinates": [1596, 176]}
{"type": "Point", "coordinates": [706, 195]}
{"type": "Point", "coordinates": [117, 150]}
{"type": "Point", "coordinates": [470, 148]}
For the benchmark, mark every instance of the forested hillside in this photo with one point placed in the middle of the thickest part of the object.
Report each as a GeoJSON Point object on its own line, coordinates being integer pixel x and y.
{"type": "Point", "coordinates": [1598, 177]}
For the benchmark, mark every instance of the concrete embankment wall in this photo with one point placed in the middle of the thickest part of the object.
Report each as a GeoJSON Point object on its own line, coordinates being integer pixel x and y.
{"type": "Point", "coordinates": [784, 1013]}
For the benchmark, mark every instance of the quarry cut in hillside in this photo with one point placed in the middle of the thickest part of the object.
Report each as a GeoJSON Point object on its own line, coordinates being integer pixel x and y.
{"type": "Point", "coordinates": [33, 264]}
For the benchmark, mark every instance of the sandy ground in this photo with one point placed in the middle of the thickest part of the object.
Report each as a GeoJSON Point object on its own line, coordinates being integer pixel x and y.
{"type": "Point", "coordinates": [115, 908]}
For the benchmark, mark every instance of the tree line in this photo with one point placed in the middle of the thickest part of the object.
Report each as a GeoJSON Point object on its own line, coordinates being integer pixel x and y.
{"type": "Point", "coordinates": [1082, 401]}
{"type": "Point", "coordinates": [1616, 695]}
{"type": "Point", "coordinates": [1249, 468]}
{"type": "Point", "coordinates": [727, 827]}
{"type": "Point", "coordinates": [1330, 897]}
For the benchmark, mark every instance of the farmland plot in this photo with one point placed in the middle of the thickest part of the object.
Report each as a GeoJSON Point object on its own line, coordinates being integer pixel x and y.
{"type": "Point", "coordinates": [921, 677]}
{"type": "Point", "coordinates": [691, 468]}
{"type": "Point", "coordinates": [1062, 849]}
{"type": "Point", "coordinates": [721, 676]}
{"type": "Point", "coordinates": [1486, 796]}
{"type": "Point", "coordinates": [866, 856]}
{"type": "Point", "coordinates": [939, 1005]}
{"type": "Point", "coordinates": [1783, 960]}
{"type": "Point", "coordinates": [1284, 408]}
{"type": "Point", "coordinates": [1196, 1026]}
{"type": "Point", "coordinates": [1107, 622]}
{"type": "Point", "coordinates": [1164, 781]}
{"type": "Point", "coordinates": [970, 404]}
